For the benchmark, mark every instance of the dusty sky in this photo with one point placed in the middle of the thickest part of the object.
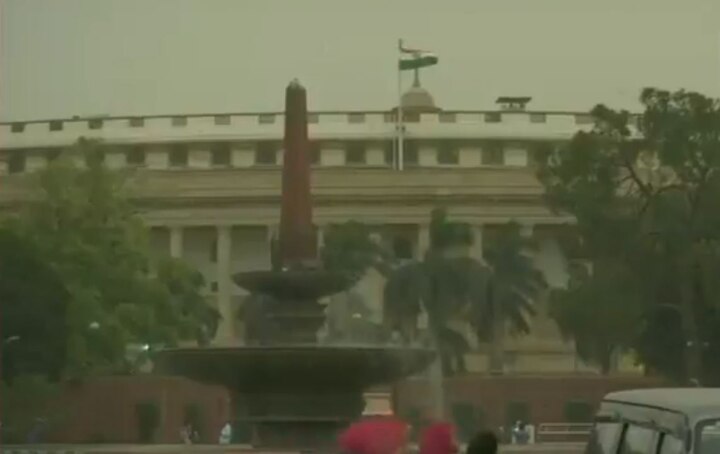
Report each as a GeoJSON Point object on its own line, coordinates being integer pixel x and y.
{"type": "Point", "coordinates": [92, 57]}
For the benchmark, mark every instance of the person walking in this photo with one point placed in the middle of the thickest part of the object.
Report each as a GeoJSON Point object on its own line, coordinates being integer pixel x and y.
{"type": "Point", "coordinates": [439, 438]}
{"type": "Point", "coordinates": [225, 434]}
{"type": "Point", "coordinates": [379, 436]}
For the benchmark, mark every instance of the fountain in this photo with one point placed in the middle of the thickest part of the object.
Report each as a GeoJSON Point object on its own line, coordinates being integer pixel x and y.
{"type": "Point", "coordinates": [292, 391]}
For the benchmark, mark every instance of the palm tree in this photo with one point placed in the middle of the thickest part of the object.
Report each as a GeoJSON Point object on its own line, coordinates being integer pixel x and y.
{"type": "Point", "coordinates": [515, 288]}
{"type": "Point", "coordinates": [444, 286]}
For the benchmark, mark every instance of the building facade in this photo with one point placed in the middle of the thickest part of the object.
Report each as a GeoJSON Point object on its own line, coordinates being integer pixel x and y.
{"type": "Point", "coordinates": [209, 188]}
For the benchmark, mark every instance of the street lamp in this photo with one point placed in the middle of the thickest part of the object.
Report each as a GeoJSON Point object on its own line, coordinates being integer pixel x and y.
{"type": "Point", "coordinates": [10, 340]}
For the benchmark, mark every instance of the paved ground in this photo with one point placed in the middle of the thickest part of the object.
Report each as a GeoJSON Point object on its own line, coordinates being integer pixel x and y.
{"type": "Point", "coordinates": [545, 448]}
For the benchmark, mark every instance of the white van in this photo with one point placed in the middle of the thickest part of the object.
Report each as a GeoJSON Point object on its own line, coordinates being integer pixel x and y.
{"type": "Point", "coordinates": [658, 421]}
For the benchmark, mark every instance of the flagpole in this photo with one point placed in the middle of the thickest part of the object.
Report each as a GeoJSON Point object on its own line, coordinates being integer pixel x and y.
{"type": "Point", "coordinates": [399, 118]}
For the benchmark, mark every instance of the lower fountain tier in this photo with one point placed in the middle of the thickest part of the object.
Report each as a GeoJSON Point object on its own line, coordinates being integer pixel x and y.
{"type": "Point", "coordinates": [293, 369]}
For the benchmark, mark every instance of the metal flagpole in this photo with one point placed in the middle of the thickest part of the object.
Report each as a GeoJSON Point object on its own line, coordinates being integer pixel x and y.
{"type": "Point", "coordinates": [399, 118]}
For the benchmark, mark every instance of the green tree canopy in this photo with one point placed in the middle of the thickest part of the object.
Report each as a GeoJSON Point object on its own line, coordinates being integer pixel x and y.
{"type": "Point", "coordinates": [646, 198]}
{"type": "Point", "coordinates": [82, 225]}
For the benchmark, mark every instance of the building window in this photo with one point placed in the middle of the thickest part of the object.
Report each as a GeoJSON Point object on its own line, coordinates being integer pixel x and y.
{"type": "Point", "coordinates": [538, 118]}
{"type": "Point", "coordinates": [266, 154]}
{"type": "Point", "coordinates": [411, 155]}
{"type": "Point", "coordinates": [539, 154]}
{"type": "Point", "coordinates": [135, 156]}
{"type": "Point", "coordinates": [95, 157]}
{"type": "Point", "coordinates": [266, 119]}
{"type": "Point", "coordinates": [56, 125]}
{"type": "Point", "coordinates": [16, 162]}
{"type": "Point", "coordinates": [447, 117]}
{"type": "Point", "coordinates": [222, 120]}
{"type": "Point", "coordinates": [577, 411]}
{"type": "Point", "coordinates": [17, 127]}
{"type": "Point", "coordinates": [411, 117]}
{"type": "Point", "coordinates": [315, 155]}
{"type": "Point", "coordinates": [136, 122]}
{"type": "Point", "coordinates": [313, 118]}
{"type": "Point", "coordinates": [355, 154]}
{"type": "Point", "coordinates": [52, 154]}
{"type": "Point", "coordinates": [493, 117]}
{"type": "Point", "coordinates": [583, 119]}
{"type": "Point", "coordinates": [95, 123]}
{"type": "Point", "coordinates": [466, 419]}
{"type": "Point", "coordinates": [493, 155]}
{"type": "Point", "coordinates": [178, 156]}
{"type": "Point", "coordinates": [179, 121]}
{"type": "Point", "coordinates": [389, 153]}
{"type": "Point", "coordinates": [220, 155]}
{"type": "Point", "coordinates": [402, 248]}
{"type": "Point", "coordinates": [448, 156]}
{"type": "Point", "coordinates": [390, 117]}
{"type": "Point", "coordinates": [356, 117]}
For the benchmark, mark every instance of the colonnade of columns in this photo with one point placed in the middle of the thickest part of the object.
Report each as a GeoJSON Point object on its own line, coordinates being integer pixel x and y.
{"type": "Point", "coordinates": [223, 261]}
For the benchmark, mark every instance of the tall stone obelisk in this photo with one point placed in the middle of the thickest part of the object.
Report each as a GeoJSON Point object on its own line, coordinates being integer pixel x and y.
{"type": "Point", "coordinates": [298, 239]}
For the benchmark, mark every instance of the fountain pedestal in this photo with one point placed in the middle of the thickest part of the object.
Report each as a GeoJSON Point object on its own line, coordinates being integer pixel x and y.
{"type": "Point", "coordinates": [293, 392]}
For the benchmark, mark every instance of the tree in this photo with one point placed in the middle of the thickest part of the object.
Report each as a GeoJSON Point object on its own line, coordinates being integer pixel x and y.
{"type": "Point", "coordinates": [595, 312]}
{"type": "Point", "coordinates": [33, 304]}
{"type": "Point", "coordinates": [83, 226]}
{"type": "Point", "coordinates": [515, 286]}
{"type": "Point", "coordinates": [349, 248]}
{"type": "Point", "coordinates": [648, 199]}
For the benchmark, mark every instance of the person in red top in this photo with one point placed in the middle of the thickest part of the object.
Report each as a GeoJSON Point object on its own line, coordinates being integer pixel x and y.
{"type": "Point", "coordinates": [439, 438]}
{"type": "Point", "coordinates": [375, 436]}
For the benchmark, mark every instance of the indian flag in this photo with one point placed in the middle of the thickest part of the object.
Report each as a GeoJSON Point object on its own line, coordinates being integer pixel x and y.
{"type": "Point", "coordinates": [415, 58]}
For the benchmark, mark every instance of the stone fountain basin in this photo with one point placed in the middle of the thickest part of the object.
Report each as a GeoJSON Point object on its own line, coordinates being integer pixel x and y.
{"type": "Point", "coordinates": [268, 369]}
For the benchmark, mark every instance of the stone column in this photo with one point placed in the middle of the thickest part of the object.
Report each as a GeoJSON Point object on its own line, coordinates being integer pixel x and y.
{"type": "Point", "coordinates": [476, 251]}
{"type": "Point", "coordinates": [320, 230]}
{"type": "Point", "coordinates": [526, 230]}
{"type": "Point", "coordinates": [176, 242]}
{"type": "Point", "coordinates": [224, 293]}
{"type": "Point", "coordinates": [423, 243]}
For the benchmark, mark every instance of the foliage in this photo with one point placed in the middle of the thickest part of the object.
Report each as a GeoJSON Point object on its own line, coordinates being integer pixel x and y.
{"type": "Point", "coordinates": [455, 289]}
{"type": "Point", "coordinates": [594, 311]}
{"type": "Point", "coordinates": [516, 284]}
{"type": "Point", "coordinates": [25, 404]}
{"type": "Point", "coordinates": [32, 295]}
{"type": "Point", "coordinates": [83, 226]}
{"type": "Point", "coordinates": [648, 201]}
{"type": "Point", "coordinates": [350, 248]}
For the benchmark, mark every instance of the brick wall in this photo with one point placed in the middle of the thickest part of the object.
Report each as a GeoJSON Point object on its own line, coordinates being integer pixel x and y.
{"type": "Point", "coordinates": [103, 409]}
{"type": "Point", "coordinates": [497, 400]}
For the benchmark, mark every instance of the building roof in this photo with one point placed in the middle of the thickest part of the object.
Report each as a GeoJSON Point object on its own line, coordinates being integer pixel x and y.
{"type": "Point", "coordinates": [695, 402]}
{"type": "Point", "coordinates": [513, 99]}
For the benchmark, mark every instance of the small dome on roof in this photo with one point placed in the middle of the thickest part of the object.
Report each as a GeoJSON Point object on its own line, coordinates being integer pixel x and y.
{"type": "Point", "coordinates": [418, 98]}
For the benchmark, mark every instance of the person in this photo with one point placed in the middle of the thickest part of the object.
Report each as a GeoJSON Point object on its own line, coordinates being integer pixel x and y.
{"type": "Point", "coordinates": [375, 436]}
{"type": "Point", "coordinates": [484, 442]}
{"type": "Point", "coordinates": [439, 438]}
{"type": "Point", "coordinates": [520, 433]}
{"type": "Point", "coordinates": [226, 434]}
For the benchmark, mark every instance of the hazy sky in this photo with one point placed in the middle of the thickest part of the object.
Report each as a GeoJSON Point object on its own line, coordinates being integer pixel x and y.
{"type": "Point", "coordinates": [91, 57]}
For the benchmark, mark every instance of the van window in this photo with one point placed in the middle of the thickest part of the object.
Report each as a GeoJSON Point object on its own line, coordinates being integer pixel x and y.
{"type": "Point", "coordinates": [708, 437]}
{"type": "Point", "coordinates": [604, 438]}
{"type": "Point", "coordinates": [670, 445]}
{"type": "Point", "coordinates": [637, 440]}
